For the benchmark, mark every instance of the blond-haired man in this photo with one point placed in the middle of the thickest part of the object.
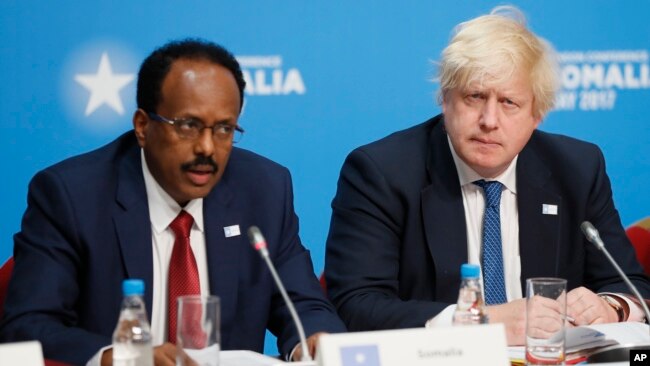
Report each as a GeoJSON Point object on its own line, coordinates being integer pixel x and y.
{"type": "Point", "coordinates": [411, 208]}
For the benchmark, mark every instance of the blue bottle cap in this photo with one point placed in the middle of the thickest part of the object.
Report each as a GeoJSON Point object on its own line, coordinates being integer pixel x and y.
{"type": "Point", "coordinates": [470, 271]}
{"type": "Point", "coordinates": [133, 287]}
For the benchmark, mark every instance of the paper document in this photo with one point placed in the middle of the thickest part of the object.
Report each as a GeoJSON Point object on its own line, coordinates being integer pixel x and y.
{"type": "Point", "coordinates": [249, 358]}
{"type": "Point", "coordinates": [587, 337]}
{"type": "Point", "coordinates": [580, 338]}
{"type": "Point", "coordinates": [624, 333]}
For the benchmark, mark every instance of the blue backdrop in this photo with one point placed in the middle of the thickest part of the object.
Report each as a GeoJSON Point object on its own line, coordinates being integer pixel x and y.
{"type": "Point", "coordinates": [324, 77]}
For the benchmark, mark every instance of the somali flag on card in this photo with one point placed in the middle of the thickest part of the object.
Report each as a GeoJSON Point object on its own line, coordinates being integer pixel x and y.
{"type": "Point", "coordinates": [364, 355]}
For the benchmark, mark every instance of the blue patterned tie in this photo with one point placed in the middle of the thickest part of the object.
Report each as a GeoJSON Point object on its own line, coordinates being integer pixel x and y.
{"type": "Point", "coordinates": [492, 255]}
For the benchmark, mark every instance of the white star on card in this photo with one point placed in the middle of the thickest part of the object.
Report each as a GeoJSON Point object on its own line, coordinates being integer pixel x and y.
{"type": "Point", "coordinates": [104, 86]}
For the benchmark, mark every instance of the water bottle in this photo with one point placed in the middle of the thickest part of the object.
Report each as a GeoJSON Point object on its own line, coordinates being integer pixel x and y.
{"type": "Point", "coordinates": [470, 308]}
{"type": "Point", "coordinates": [132, 336]}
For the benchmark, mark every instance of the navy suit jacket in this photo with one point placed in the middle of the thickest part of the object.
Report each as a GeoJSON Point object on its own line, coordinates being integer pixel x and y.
{"type": "Point", "coordinates": [87, 228]}
{"type": "Point", "coordinates": [398, 235]}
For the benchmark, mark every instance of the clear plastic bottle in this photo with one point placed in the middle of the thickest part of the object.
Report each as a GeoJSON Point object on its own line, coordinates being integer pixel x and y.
{"type": "Point", "coordinates": [470, 308]}
{"type": "Point", "coordinates": [132, 337]}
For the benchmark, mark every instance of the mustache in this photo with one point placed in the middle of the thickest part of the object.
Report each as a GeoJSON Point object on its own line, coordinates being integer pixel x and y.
{"type": "Point", "coordinates": [201, 160]}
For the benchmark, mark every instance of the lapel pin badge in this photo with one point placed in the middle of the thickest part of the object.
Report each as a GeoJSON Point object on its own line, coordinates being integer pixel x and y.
{"type": "Point", "coordinates": [232, 230]}
{"type": "Point", "coordinates": [548, 209]}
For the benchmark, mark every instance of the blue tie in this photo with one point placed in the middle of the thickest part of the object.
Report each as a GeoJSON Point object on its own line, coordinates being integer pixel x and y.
{"type": "Point", "coordinates": [492, 255]}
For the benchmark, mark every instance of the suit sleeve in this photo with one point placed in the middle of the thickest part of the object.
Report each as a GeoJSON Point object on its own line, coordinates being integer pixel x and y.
{"type": "Point", "coordinates": [42, 301]}
{"type": "Point", "coordinates": [600, 276]}
{"type": "Point", "coordinates": [363, 251]}
{"type": "Point", "coordinates": [295, 268]}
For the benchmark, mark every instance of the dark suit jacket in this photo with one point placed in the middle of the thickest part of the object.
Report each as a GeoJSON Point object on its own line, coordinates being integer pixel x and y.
{"type": "Point", "coordinates": [87, 228]}
{"type": "Point", "coordinates": [398, 236]}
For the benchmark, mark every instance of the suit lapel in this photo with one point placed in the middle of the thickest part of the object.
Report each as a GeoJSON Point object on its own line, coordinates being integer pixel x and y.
{"type": "Point", "coordinates": [132, 223]}
{"type": "Point", "coordinates": [444, 217]}
{"type": "Point", "coordinates": [133, 227]}
{"type": "Point", "coordinates": [222, 253]}
{"type": "Point", "coordinates": [539, 233]}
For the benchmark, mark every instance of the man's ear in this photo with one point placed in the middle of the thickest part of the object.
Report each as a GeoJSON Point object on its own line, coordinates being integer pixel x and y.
{"type": "Point", "coordinates": [140, 123]}
{"type": "Point", "coordinates": [443, 102]}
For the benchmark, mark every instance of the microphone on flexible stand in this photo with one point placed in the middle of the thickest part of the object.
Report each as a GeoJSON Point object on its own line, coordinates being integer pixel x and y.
{"type": "Point", "coordinates": [614, 353]}
{"type": "Point", "coordinates": [259, 243]}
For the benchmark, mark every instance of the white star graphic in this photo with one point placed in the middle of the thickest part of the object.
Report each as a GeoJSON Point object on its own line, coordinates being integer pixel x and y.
{"type": "Point", "coordinates": [104, 86]}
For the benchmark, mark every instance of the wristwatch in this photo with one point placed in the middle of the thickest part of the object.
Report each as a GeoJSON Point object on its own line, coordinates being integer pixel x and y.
{"type": "Point", "coordinates": [615, 305]}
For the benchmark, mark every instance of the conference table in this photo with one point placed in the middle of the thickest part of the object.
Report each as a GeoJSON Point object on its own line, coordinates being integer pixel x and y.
{"type": "Point", "coordinates": [617, 333]}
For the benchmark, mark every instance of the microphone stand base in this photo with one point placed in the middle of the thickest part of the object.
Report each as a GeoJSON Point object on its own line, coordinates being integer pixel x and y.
{"type": "Point", "coordinates": [616, 353]}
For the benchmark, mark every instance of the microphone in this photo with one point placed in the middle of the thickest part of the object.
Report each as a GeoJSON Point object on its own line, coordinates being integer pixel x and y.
{"type": "Point", "coordinates": [614, 353]}
{"type": "Point", "coordinates": [259, 244]}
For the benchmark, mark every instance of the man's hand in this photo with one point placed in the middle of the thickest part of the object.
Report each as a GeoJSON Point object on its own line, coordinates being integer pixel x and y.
{"type": "Point", "coordinates": [545, 317]}
{"type": "Point", "coordinates": [312, 342]}
{"type": "Point", "coordinates": [163, 355]}
{"type": "Point", "coordinates": [107, 358]}
{"type": "Point", "coordinates": [588, 308]}
{"type": "Point", "coordinates": [513, 316]}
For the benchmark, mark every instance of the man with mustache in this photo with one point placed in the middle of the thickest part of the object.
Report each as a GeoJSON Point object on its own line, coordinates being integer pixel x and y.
{"type": "Point", "coordinates": [99, 218]}
{"type": "Point", "coordinates": [412, 207]}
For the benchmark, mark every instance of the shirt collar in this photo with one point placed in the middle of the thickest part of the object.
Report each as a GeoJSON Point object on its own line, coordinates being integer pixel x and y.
{"type": "Point", "coordinates": [467, 175]}
{"type": "Point", "coordinates": [163, 209]}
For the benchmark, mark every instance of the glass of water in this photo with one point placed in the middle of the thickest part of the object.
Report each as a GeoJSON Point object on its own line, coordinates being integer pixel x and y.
{"type": "Point", "coordinates": [545, 320]}
{"type": "Point", "coordinates": [197, 331]}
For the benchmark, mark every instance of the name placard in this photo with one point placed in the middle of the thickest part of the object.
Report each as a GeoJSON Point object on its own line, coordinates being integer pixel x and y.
{"type": "Point", "coordinates": [21, 353]}
{"type": "Point", "coordinates": [441, 346]}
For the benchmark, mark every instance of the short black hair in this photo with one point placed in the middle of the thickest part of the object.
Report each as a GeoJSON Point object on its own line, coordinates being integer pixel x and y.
{"type": "Point", "coordinates": [156, 66]}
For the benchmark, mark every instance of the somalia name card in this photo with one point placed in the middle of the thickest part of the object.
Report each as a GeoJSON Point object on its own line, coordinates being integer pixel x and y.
{"type": "Point", "coordinates": [441, 346]}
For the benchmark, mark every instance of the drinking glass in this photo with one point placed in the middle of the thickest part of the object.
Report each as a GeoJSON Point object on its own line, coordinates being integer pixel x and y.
{"type": "Point", "coordinates": [197, 331]}
{"type": "Point", "coordinates": [545, 319]}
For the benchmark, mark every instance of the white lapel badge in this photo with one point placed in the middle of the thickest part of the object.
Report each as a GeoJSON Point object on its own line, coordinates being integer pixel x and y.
{"type": "Point", "coordinates": [549, 209]}
{"type": "Point", "coordinates": [232, 230]}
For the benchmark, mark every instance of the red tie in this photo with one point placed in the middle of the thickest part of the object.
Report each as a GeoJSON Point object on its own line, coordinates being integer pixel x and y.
{"type": "Point", "coordinates": [183, 273]}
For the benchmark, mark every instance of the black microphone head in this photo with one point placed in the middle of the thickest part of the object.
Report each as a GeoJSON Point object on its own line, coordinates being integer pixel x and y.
{"type": "Point", "coordinates": [256, 238]}
{"type": "Point", "coordinates": [253, 233]}
{"type": "Point", "coordinates": [589, 230]}
{"type": "Point", "coordinates": [586, 227]}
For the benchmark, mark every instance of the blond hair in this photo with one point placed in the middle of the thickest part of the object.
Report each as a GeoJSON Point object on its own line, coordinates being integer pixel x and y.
{"type": "Point", "coordinates": [491, 48]}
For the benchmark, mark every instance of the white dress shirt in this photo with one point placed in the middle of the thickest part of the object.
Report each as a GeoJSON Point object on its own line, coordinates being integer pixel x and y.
{"type": "Point", "coordinates": [474, 205]}
{"type": "Point", "coordinates": [162, 211]}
